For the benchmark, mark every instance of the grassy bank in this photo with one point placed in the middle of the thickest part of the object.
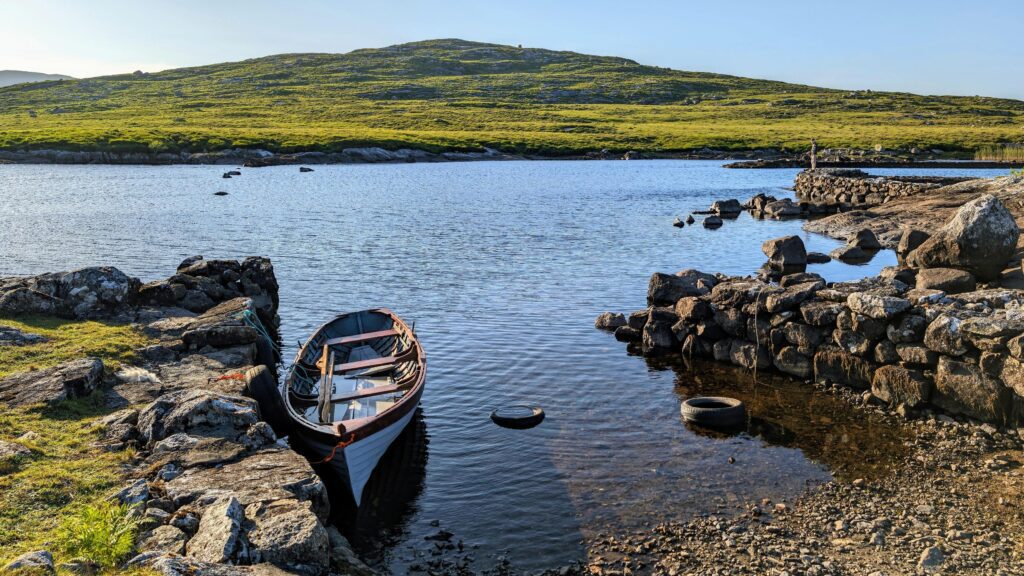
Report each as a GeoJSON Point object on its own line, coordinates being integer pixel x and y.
{"type": "Point", "coordinates": [457, 95]}
{"type": "Point", "coordinates": [49, 499]}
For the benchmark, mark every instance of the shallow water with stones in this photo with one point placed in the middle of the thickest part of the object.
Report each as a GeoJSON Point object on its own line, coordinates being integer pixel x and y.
{"type": "Point", "coordinates": [503, 267]}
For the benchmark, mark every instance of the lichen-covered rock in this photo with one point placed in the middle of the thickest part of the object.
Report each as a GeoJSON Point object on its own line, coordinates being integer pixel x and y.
{"type": "Point", "coordinates": [73, 379]}
{"type": "Point", "coordinates": [288, 534]}
{"type": "Point", "coordinates": [852, 341]}
{"type": "Point", "coordinates": [944, 336]}
{"type": "Point", "coordinates": [981, 237]}
{"type": "Point", "coordinates": [792, 296]}
{"type": "Point", "coordinates": [218, 537]}
{"type": "Point", "coordinates": [197, 411]}
{"type": "Point", "coordinates": [78, 294]}
{"type": "Point", "coordinates": [610, 321]}
{"type": "Point", "coordinates": [30, 563]}
{"type": "Point", "coordinates": [13, 337]}
{"type": "Point", "coordinates": [820, 313]}
{"type": "Point", "coordinates": [964, 388]}
{"type": "Point", "coordinates": [917, 354]}
{"type": "Point", "coordinates": [163, 539]}
{"type": "Point", "coordinates": [898, 385]}
{"type": "Point", "coordinates": [805, 338]}
{"type": "Point", "coordinates": [908, 329]}
{"type": "Point", "coordinates": [875, 306]}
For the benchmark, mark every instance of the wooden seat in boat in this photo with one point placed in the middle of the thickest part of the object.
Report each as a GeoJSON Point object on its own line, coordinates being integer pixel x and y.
{"type": "Point", "coordinates": [359, 338]}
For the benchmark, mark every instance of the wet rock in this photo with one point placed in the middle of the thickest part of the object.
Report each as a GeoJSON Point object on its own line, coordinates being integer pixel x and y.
{"type": "Point", "coordinates": [343, 559]}
{"type": "Point", "coordinates": [609, 321]}
{"type": "Point", "coordinates": [818, 258]}
{"type": "Point", "coordinates": [898, 385]}
{"type": "Point", "coordinates": [164, 540]}
{"type": "Point", "coordinates": [949, 280]}
{"type": "Point", "coordinates": [197, 411]}
{"type": "Point", "coordinates": [628, 334]}
{"type": "Point", "coordinates": [305, 169]}
{"type": "Point", "coordinates": [732, 321]}
{"type": "Point", "coordinates": [944, 336]}
{"type": "Point", "coordinates": [838, 366]}
{"type": "Point", "coordinates": [981, 237]}
{"type": "Point", "coordinates": [866, 240]}
{"type": "Point", "coordinates": [288, 534]}
{"type": "Point", "coordinates": [785, 252]}
{"type": "Point", "coordinates": [712, 222]}
{"type": "Point", "coordinates": [964, 388]}
{"type": "Point", "coordinates": [791, 361]}
{"type": "Point", "coordinates": [73, 379]}
{"type": "Point", "coordinates": [850, 254]}
{"type": "Point", "coordinates": [217, 539]}
{"type": "Point", "coordinates": [38, 562]}
{"type": "Point", "coordinates": [749, 355]}
{"type": "Point", "coordinates": [730, 207]}
{"type": "Point", "coordinates": [14, 337]}
{"type": "Point", "coordinates": [667, 289]}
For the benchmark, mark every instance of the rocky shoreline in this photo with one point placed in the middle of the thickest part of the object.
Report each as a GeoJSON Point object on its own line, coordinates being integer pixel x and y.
{"type": "Point", "coordinates": [933, 344]}
{"type": "Point", "coordinates": [215, 489]}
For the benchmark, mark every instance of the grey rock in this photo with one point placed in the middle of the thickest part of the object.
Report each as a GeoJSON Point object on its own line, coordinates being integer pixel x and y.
{"type": "Point", "coordinates": [13, 337]}
{"type": "Point", "coordinates": [821, 314]}
{"type": "Point", "coordinates": [658, 336]}
{"type": "Point", "coordinates": [692, 309]}
{"type": "Point", "coordinates": [909, 241]}
{"type": "Point", "coordinates": [944, 336]}
{"type": "Point", "coordinates": [981, 237]}
{"type": "Point", "coordinates": [135, 493]}
{"type": "Point", "coordinates": [288, 534]}
{"type": "Point", "coordinates": [917, 354]}
{"type": "Point", "coordinates": [628, 334]}
{"type": "Point", "coordinates": [874, 306]}
{"type": "Point", "coordinates": [908, 329]}
{"type": "Point", "coordinates": [38, 562]}
{"type": "Point", "coordinates": [712, 222]}
{"type": "Point", "coordinates": [931, 560]}
{"type": "Point", "coordinates": [163, 539]}
{"type": "Point", "coordinates": [217, 539]}
{"type": "Point", "coordinates": [610, 321]}
{"type": "Point", "coordinates": [72, 379]}
{"type": "Point", "coordinates": [749, 355]}
{"type": "Point", "coordinates": [667, 289]}
{"type": "Point", "coordinates": [785, 252]}
{"type": "Point", "coordinates": [850, 254]}
{"type": "Point", "coordinates": [343, 559]}
{"type": "Point", "coordinates": [964, 388]}
{"type": "Point", "coordinates": [792, 296]}
{"type": "Point", "coordinates": [197, 411]}
{"type": "Point", "coordinates": [949, 280]}
{"type": "Point", "coordinates": [898, 385]}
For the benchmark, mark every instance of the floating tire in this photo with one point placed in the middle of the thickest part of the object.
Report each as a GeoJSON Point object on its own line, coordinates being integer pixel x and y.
{"type": "Point", "coordinates": [713, 411]}
{"type": "Point", "coordinates": [261, 386]}
{"type": "Point", "coordinates": [518, 416]}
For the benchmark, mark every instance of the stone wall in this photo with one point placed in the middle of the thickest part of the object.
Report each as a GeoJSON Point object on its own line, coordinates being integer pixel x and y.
{"type": "Point", "coordinates": [216, 490]}
{"type": "Point", "coordinates": [834, 189]}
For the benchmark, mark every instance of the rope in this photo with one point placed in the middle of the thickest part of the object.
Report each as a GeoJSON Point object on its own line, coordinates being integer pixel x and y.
{"type": "Point", "coordinates": [253, 321]}
{"type": "Point", "coordinates": [343, 444]}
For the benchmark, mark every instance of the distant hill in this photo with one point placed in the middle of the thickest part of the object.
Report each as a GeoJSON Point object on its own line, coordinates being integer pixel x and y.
{"type": "Point", "coordinates": [9, 77]}
{"type": "Point", "coordinates": [455, 94]}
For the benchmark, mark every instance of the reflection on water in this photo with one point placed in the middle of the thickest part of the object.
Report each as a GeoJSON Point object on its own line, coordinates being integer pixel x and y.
{"type": "Point", "coordinates": [503, 266]}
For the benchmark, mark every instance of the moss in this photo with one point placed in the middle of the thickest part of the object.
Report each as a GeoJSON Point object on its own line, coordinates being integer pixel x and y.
{"type": "Point", "coordinates": [67, 473]}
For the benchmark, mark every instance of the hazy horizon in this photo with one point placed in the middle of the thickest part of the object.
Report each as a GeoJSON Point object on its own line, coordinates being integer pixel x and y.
{"type": "Point", "coordinates": [936, 48]}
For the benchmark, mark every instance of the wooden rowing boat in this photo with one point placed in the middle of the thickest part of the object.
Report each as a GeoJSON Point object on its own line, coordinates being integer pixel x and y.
{"type": "Point", "coordinates": [352, 389]}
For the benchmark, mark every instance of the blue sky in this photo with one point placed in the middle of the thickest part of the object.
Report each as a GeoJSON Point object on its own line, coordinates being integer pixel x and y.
{"type": "Point", "coordinates": [936, 47]}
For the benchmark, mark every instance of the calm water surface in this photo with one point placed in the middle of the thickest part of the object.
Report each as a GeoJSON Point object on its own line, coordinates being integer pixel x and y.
{"type": "Point", "coordinates": [503, 266]}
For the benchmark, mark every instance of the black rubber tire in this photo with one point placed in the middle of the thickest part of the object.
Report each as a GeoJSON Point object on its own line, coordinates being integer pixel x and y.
{"type": "Point", "coordinates": [713, 411]}
{"type": "Point", "coordinates": [518, 422]}
{"type": "Point", "coordinates": [261, 387]}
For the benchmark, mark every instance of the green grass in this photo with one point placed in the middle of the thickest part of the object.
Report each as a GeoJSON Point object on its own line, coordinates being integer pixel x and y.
{"type": "Point", "coordinates": [458, 95]}
{"type": "Point", "coordinates": [1001, 153]}
{"type": "Point", "coordinates": [66, 479]}
{"type": "Point", "coordinates": [68, 340]}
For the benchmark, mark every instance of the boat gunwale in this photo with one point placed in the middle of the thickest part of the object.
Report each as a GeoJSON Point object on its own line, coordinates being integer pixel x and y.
{"type": "Point", "coordinates": [363, 427]}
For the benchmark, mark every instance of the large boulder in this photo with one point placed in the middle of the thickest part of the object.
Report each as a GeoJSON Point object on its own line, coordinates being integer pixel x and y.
{"type": "Point", "coordinates": [218, 538]}
{"type": "Point", "coordinates": [730, 207]}
{"type": "Point", "coordinates": [610, 321]}
{"type": "Point", "coordinates": [658, 336]}
{"type": "Point", "coordinates": [785, 252]}
{"type": "Point", "coordinates": [72, 379]}
{"type": "Point", "coordinates": [879, 307]}
{"type": "Point", "coordinates": [945, 336]}
{"type": "Point", "coordinates": [82, 293]}
{"type": "Point", "coordinates": [288, 534]}
{"type": "Point", "coordinates": [964, 388]}
{"type": "Point", "coordinates": [981, 237]}
{"type": "Point", "coordinates": [38, 562]}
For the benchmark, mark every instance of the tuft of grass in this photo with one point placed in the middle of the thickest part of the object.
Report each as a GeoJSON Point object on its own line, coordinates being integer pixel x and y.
{"type": "Point", "coordinates": [103, 532]}
{"type": "Point", "coordinates": [64, 482]}
{"type": "Point", "coordinates": [68, 340]}
{"type": "Point", "coordinates": [1001, 153]}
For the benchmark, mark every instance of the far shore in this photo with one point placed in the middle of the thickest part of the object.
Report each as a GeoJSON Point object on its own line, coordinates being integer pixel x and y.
{"type": "Point", "coordinates": [256, 158]}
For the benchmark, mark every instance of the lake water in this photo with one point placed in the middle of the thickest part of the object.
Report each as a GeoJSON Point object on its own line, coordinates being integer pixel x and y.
{"type": "Point", "coordinates": [503, 266]}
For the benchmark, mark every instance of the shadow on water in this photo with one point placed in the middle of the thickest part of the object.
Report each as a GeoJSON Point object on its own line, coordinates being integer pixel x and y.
{"type": "Point", "coordinates": [783, 411]}
{"type": "Point", "coordinates": [390, 496]}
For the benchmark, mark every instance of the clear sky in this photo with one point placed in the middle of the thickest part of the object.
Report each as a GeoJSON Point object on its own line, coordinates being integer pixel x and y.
{"type": "Point", "coordinates": [932, 47]}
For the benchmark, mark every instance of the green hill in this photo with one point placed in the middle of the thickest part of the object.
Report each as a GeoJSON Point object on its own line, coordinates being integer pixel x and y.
{"type": "Point", "coordinates": [454, 94]}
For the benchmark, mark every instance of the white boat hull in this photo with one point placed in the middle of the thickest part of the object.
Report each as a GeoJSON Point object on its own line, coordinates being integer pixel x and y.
{"type": "Point", "coordinates": [362, 456]}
